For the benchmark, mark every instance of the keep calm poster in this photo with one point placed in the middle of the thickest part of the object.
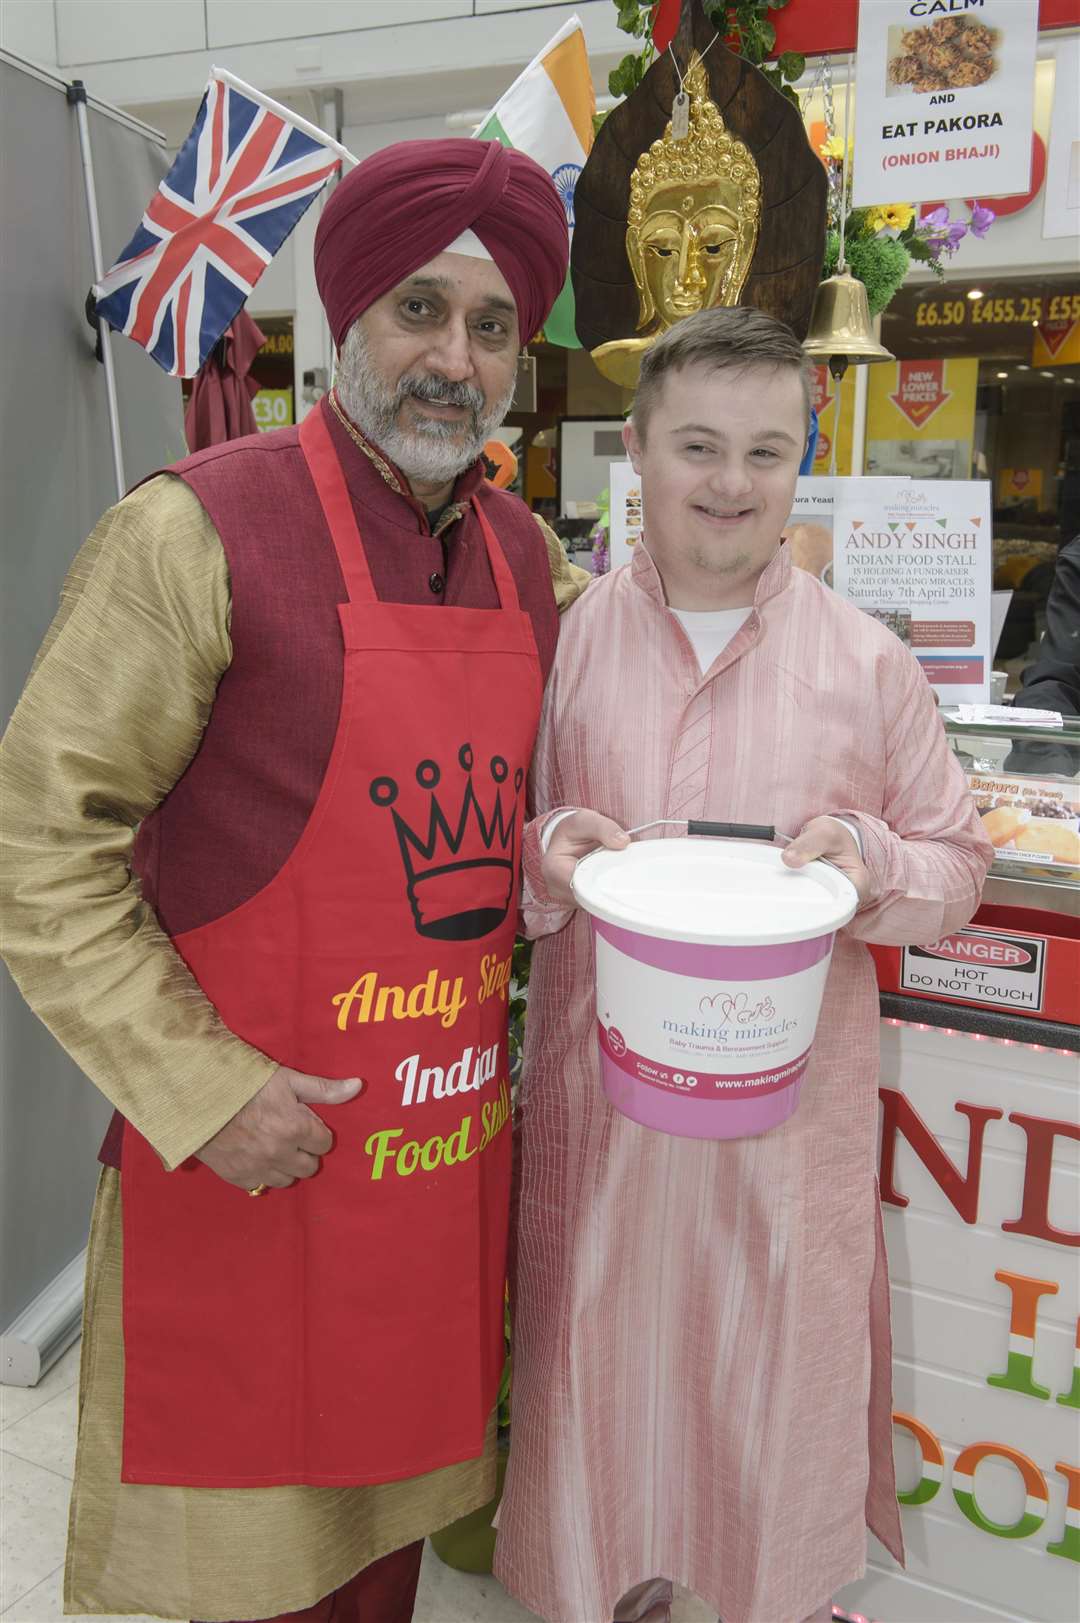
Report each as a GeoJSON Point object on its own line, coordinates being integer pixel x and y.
{"type": "Point", "coordinates": [917, 555]}
{"type": "Point", "coordinates": [944, 99]}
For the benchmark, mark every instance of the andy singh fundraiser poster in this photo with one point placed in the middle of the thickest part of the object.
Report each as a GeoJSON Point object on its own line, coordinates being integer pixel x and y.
{"type": "Point", "coordinates": [945, 95]}
{"type": "Point", "coordinates": [916, 555]}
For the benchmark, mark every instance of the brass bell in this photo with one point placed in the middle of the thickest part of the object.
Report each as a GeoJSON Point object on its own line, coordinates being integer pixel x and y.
{"type": "Point", "coordinates": [840, 330]}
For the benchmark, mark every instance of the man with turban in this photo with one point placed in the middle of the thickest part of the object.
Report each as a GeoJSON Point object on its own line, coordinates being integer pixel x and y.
{"type": "Point", "coordinates": [264, 801]}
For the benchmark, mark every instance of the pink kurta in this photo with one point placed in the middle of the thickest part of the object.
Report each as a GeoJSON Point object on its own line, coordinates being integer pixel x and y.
{"type": "Point", "coordinates": [702, 1351]}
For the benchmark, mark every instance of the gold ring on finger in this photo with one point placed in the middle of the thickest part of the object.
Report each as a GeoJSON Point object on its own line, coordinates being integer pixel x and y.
{"type": "Point", "coordinates": [259, 1189]}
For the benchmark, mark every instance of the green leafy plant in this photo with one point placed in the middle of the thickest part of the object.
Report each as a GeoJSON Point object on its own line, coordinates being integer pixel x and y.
{"type": "Point", "coordinates": [520, 964]}
{"type": "Point", "coordinates": [502, 1407]}
{"type": "Point", "coordinates": [636, 20]}
{"type": "Point", "coordinates": [880, 242]}
{"type": "Point", "coordinates": [743, 25]}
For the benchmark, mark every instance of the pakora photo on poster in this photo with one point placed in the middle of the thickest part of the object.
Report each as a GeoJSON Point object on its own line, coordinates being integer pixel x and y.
{"type": "Point", "coordinates": [951, 53]}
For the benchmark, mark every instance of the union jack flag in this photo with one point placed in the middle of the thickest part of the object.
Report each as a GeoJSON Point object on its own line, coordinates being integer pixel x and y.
{"type": "Point", "coordinates": [240, 182]}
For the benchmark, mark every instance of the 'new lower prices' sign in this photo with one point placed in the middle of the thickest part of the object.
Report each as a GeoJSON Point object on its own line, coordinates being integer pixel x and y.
{"type": "Point", "coordinates": [917, 556]}
{"type": "Point", "coordinates": [944, 99]}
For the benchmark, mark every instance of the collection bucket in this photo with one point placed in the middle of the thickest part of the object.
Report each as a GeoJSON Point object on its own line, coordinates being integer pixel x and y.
{"type": "Point", "coordinates": [711, 961]}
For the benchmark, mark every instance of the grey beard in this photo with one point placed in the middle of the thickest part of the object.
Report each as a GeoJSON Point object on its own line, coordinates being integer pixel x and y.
{"type": "Point", "coordinates": [432, 451]}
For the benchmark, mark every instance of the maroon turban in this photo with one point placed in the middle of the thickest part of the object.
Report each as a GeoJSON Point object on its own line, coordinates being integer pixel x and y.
{"type": "Point", "coordinates": [405, 204]}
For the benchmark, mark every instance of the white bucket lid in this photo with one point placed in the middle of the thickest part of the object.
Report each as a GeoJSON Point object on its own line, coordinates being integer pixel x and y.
{"type": "Point", "coordinates": [716, 892]}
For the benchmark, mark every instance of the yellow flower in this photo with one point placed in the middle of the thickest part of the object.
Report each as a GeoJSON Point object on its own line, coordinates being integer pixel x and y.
{"type": "Point", "coordinates": [891, 216]}
{"type": "Point", "coordinates": [832, 148]}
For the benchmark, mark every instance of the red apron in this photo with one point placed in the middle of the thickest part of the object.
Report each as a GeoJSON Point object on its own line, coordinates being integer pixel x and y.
{"type": "Point", "coordinates": [349, 1329]}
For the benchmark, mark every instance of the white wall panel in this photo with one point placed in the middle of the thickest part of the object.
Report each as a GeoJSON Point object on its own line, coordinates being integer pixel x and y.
{"type": "Point", "coordinates": [28, 28]}
{"type": "Point", "coordinates": [244, 22]}
{"type": "Point", "coordinates": [886, 1592]}
{"type": "Point", "coordinates": [500, 43]}
{"type": "Point", "coordinates": [963, 1336]}
{"type": "Point", "coordinates": [922, 1249]}
{"type": "Point", "coordinates": [364, 139]}
{"type": "Point", "coordinates": [961, 1409]}
{"type": "Point", "coordinates": [115, 30]}
{"type": "Point", "coordinates": [1013, 1078]}
{"type": "Point", "coordinates": [484, 7]}
{"type": "Point", "coordinates": [1015, 1574]}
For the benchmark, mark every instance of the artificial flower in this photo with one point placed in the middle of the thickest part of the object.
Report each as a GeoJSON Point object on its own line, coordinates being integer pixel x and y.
{"type": "Point", "coordinates": [943, 234]}
{"type": "Point", "coordinates": [981, 220]}
{"type": "Point", "coordinates": [891, 217]}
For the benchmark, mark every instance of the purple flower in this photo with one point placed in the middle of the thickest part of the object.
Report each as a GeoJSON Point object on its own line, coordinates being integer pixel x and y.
{"type": "Point", "coordinates": [942, 233]}
{"type": "Point", "coordinates": [981, 220]}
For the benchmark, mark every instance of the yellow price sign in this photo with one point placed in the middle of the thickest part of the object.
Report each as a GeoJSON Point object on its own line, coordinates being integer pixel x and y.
{"type": "Point", "coordinates": [1022, 310]}
{"type": "Point", "coordinates": [273, 408]}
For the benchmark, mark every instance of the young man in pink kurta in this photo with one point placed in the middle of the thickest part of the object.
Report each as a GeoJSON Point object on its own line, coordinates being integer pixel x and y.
{"type": "Point", "coordinates": [702, 1353]}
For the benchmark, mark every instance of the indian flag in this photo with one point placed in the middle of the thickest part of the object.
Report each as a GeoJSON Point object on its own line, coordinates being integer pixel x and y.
{"type": "Point", "coordinates": [548, 113]}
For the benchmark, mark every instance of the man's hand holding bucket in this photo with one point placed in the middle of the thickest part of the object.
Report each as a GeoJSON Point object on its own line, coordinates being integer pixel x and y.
{"type": "Point", "coordinates": [827, 837]}
{"type": "Point", "coordinates": [573, 837]}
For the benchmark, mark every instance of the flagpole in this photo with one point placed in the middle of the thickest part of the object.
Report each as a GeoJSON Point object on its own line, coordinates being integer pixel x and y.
{"type": "Point", "coordinates": [76, 95]}
{"type": "Point", "coordinates": [284, 112]}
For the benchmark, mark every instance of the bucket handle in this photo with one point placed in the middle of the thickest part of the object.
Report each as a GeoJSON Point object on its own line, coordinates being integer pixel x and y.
{"type": "Point", "coordinates": [730, 831]}
{"type": "Point", "coordinates": [718, 831]}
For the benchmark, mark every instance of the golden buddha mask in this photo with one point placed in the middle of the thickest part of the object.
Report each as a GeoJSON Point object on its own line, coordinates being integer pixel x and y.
{"type": "Point", "coordinates": [695, 209]}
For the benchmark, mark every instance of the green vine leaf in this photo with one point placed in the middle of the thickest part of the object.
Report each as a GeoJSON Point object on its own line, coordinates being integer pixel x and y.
{"type": "Point", "coordinates": [744, 24]}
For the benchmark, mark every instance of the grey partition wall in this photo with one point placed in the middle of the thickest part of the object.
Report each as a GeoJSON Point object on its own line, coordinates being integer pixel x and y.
{"type": "Point", "coordinates": [56, 478]}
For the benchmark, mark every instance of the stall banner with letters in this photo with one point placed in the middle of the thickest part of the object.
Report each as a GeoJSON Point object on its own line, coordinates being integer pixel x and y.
{"type": "Point", "coordinates": [917, 556]}
{"type": "Point", "coordinates": [978, 1166]}
{"type": "Point", "coordinates": [625, 530]}
{"type": "Point", "coordinates": [945, 94]}
{"type": "Point", "coordinates": [920, 419]}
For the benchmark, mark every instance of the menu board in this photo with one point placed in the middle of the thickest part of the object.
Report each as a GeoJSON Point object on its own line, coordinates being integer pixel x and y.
{"type": "Point", "coordinates": [1034, 820]}
{"type": "Point", "coordinates": [917, 555]}
{"type": "Point", "coordinates": [626, 518]}
{"type": "Point", "coordinates": [944, 99]}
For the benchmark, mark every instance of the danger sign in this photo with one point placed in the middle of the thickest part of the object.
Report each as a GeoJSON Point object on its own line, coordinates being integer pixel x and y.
{"type": "Point", "coordinates": [979, 966]}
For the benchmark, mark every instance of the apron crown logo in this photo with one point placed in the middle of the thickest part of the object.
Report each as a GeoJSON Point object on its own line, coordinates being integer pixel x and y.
{"type": "Point", "coordinates": [459, 873]}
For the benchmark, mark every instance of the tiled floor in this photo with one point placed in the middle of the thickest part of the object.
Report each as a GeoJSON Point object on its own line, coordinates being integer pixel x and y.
{"type": "Point", "coordinates": [37, 1448]}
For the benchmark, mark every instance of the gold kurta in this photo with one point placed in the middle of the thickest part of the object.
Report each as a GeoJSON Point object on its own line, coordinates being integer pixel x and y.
{"type": "Point", "coordinates": [100, 741]}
